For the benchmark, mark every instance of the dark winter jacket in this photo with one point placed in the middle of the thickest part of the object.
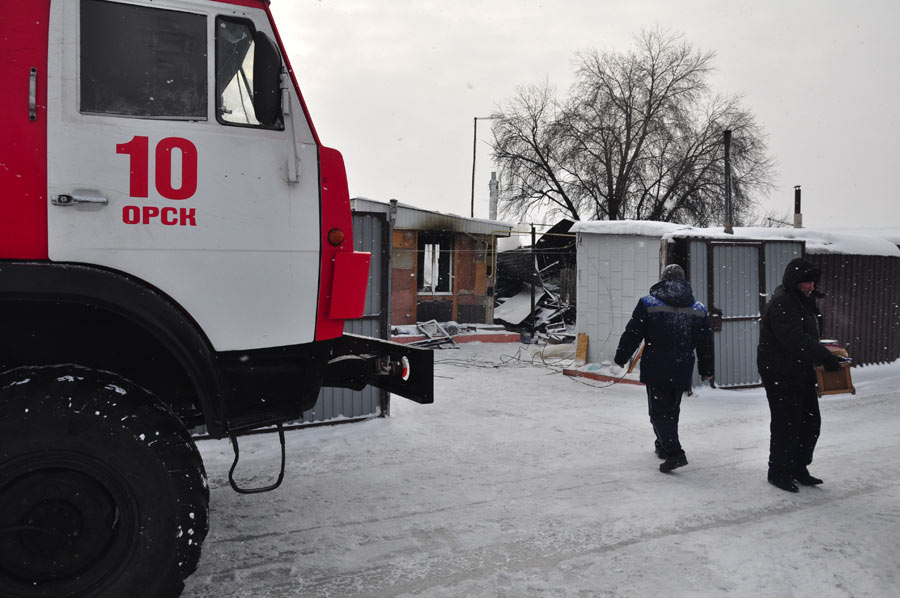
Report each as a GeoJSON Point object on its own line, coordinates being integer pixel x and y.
{"type": "Point", "coordinates": [789, 330]}
{"type": "Point", "coordinates": [673, 325]}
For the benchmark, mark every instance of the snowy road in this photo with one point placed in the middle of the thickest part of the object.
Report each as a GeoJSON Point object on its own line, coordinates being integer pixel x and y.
{"type": "Point", "coordinates": [521, 482]}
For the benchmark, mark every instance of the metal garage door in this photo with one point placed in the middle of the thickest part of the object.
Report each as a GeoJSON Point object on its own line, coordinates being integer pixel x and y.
{"type": "Point", "coordinates": [734, 280]}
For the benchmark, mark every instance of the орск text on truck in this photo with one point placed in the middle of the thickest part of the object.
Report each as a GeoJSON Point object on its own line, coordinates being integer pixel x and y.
{"type": "Point", "coordinates": [176, 250]}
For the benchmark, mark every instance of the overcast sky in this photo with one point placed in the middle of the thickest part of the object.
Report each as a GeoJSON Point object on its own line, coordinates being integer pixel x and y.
{"type": "Point", "coordinates": [395, 84]}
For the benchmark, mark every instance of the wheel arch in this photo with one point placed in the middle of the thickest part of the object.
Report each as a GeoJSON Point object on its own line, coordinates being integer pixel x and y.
{"type": "Point", "coordinates": [104, 319]}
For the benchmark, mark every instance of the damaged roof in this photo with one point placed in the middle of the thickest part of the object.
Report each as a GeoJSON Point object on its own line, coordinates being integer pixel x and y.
{"type": "Point", "coordinates": [412, 218]}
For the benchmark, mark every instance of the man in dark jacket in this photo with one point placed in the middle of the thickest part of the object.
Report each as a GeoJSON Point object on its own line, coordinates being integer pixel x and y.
{"type": "Point", "coordinates": [673, 326]}
{"type": "Point", "coordinates": [788, 350]}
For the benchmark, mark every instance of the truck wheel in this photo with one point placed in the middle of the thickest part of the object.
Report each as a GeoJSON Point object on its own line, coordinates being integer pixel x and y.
{"type": "Point", "coordinates": [102, 491]}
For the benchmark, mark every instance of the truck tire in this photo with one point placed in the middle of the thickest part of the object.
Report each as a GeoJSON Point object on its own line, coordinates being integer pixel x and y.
{"type": "Point", "coordinates": [102, 490]}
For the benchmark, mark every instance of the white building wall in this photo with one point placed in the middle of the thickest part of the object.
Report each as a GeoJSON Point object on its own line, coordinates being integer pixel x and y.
{"type": "Point", "coordinates": [614, 272]}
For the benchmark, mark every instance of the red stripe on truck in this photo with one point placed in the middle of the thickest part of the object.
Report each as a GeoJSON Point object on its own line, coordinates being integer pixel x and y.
{"type": "Point", "coordinates": [290, 69]}
{"type": "Point", "coordinates": [343, 273]}
{"type": "Point", "coordinates": [23, 141]}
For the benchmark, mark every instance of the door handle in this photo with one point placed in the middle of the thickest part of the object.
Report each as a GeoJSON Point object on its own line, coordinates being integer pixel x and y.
{"type": "Point", "coordinates": [32, 94]}
{"type": "Point", "coordinates": [72, 199]}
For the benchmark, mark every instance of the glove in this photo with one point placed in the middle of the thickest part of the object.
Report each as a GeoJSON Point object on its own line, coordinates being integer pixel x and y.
{"type": "Point", "coordinates": [833, 363]}
{"type": "Point", "coordinates": [621, 365]}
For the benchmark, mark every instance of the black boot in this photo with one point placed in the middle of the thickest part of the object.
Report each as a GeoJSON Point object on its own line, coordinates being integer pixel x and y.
{"type": "Point", "coordinates": [802, 476]}
{"type": "Point", "coordinates": [658, 449]}
{"type": "Point", "coordinates": [673, 461]}
{"type": "Point", "coordinates": [783, 482]}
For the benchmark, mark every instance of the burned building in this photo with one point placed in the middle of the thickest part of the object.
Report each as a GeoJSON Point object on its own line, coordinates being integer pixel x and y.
{"type": "Point", "coordinates": [442, 265]}
{"type": "Point", "coordinates": [536, 283]}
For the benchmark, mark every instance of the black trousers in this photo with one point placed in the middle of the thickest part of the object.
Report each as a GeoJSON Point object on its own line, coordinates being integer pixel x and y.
{"type": "Point", "coordinates": [795, 426]}
{"type": "Point", "coordinates": [665, 407]}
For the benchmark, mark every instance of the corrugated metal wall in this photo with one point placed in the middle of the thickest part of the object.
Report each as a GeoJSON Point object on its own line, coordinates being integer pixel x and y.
{"type": "Point", "coordinates": [698, 271]}
{"type": "Point", "coordinates": [736, 280]}
{"type": "Point", "coordinates": [778, 256]}
{"type": "Point", "coordinates": [698, 276]}
{"type": "Point", "coordinates": [369, 234]}
{"type": "Point", "coordinates": [736, 292]}
{"type": "Point", "coordinates": [733, 278]}
{"type": "Point", "coordinates": [860, 307]}
{"type": "Point", "coordinates": [725, 276]}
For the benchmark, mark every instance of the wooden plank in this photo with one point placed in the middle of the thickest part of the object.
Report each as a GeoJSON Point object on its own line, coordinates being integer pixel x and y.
{"type": "Point", "coordinates": [581, 347]}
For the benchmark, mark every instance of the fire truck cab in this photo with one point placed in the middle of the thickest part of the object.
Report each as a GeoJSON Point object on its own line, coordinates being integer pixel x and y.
{"type": "Point", "coordinates": [176, 249]}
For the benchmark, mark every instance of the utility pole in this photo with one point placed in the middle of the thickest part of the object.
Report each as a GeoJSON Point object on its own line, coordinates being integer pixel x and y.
{"type": "Point", "coordinates": [534, 279]}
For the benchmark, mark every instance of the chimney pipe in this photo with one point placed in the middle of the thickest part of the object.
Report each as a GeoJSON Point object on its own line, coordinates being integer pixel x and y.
{"type": "Point", "coordinates": [494, 186]}
{"type": "Point", "coordinates": [392, 212]}
{"type": "Point", "coordinates": [798, 215]}
{"type": "Point", "coordinates": [728, 215]}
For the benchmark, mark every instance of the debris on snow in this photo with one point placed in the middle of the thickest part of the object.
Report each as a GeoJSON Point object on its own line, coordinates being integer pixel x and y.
{"type": "Point", "coordinates": [546, 271]}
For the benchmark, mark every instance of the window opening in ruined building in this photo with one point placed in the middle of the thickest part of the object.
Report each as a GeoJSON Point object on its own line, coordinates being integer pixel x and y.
{"type": "Point", "coordinates": [435, 264]}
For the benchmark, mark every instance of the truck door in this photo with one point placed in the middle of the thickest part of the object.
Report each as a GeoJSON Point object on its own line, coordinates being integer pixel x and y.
{"type": "Point", "coordinates": [160, 167]}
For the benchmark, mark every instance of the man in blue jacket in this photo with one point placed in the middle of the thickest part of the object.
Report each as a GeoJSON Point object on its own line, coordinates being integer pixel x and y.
{"type": "Point", "coordinates": [673, 326]}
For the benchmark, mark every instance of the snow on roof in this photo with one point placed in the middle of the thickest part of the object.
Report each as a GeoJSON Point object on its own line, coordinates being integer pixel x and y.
{"type": "Point", "coordinates": [643, 228]}
{"type": "Point", "coordinates": [818, 241]}
{"type": "Point", "coordinates": [891, 234]}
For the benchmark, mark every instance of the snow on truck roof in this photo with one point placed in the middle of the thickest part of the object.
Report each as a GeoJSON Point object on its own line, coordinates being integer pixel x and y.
{"type": "Point", "coordinates": [818, 241]}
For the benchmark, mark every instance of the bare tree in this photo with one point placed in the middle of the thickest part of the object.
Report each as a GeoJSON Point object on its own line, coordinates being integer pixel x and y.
{"type": "Point", "coordinates": [639, 137]}
{"type": "Point", "coordinates": [529, 146]}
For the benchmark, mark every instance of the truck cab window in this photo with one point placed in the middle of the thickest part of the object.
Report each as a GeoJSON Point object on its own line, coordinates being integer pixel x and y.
{"type": "Point", "coordinates": [236, 56]}
{"type": "Point", "coordinates": [142, 62]}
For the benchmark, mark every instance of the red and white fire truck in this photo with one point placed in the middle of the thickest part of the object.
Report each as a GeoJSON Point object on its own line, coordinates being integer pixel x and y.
{"type": "Point", "coordinates": [176, 249]}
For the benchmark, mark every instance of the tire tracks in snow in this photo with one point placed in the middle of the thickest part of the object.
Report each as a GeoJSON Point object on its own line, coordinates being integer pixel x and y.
{"type": "Point", "coordinates": [512, 553]}
{"type": "Point", "coordinates": [455, 573]}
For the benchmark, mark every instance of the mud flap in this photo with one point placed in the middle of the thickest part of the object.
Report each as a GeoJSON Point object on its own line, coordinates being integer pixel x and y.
{"type": "Point", "coordinates": [357, 361]}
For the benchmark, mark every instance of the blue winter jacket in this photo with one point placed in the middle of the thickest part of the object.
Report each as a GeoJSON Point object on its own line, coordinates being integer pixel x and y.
{"type": "Point", "coordinates": [673, 325]}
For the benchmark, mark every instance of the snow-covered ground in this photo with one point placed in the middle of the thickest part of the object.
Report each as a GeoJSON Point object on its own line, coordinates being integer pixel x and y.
{"type": "Point", "coordinates": [521, 482]}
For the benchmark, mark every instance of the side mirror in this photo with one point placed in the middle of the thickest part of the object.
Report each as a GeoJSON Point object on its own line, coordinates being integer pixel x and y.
{"type": "Point", "coordinates": [266, 80]}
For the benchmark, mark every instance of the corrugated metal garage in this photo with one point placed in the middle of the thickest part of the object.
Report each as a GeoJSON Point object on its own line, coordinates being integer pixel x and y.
{"type": "Point", "coordinates": [735, 275]}
{"type": "Point", "coordinates": [616, 263]}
